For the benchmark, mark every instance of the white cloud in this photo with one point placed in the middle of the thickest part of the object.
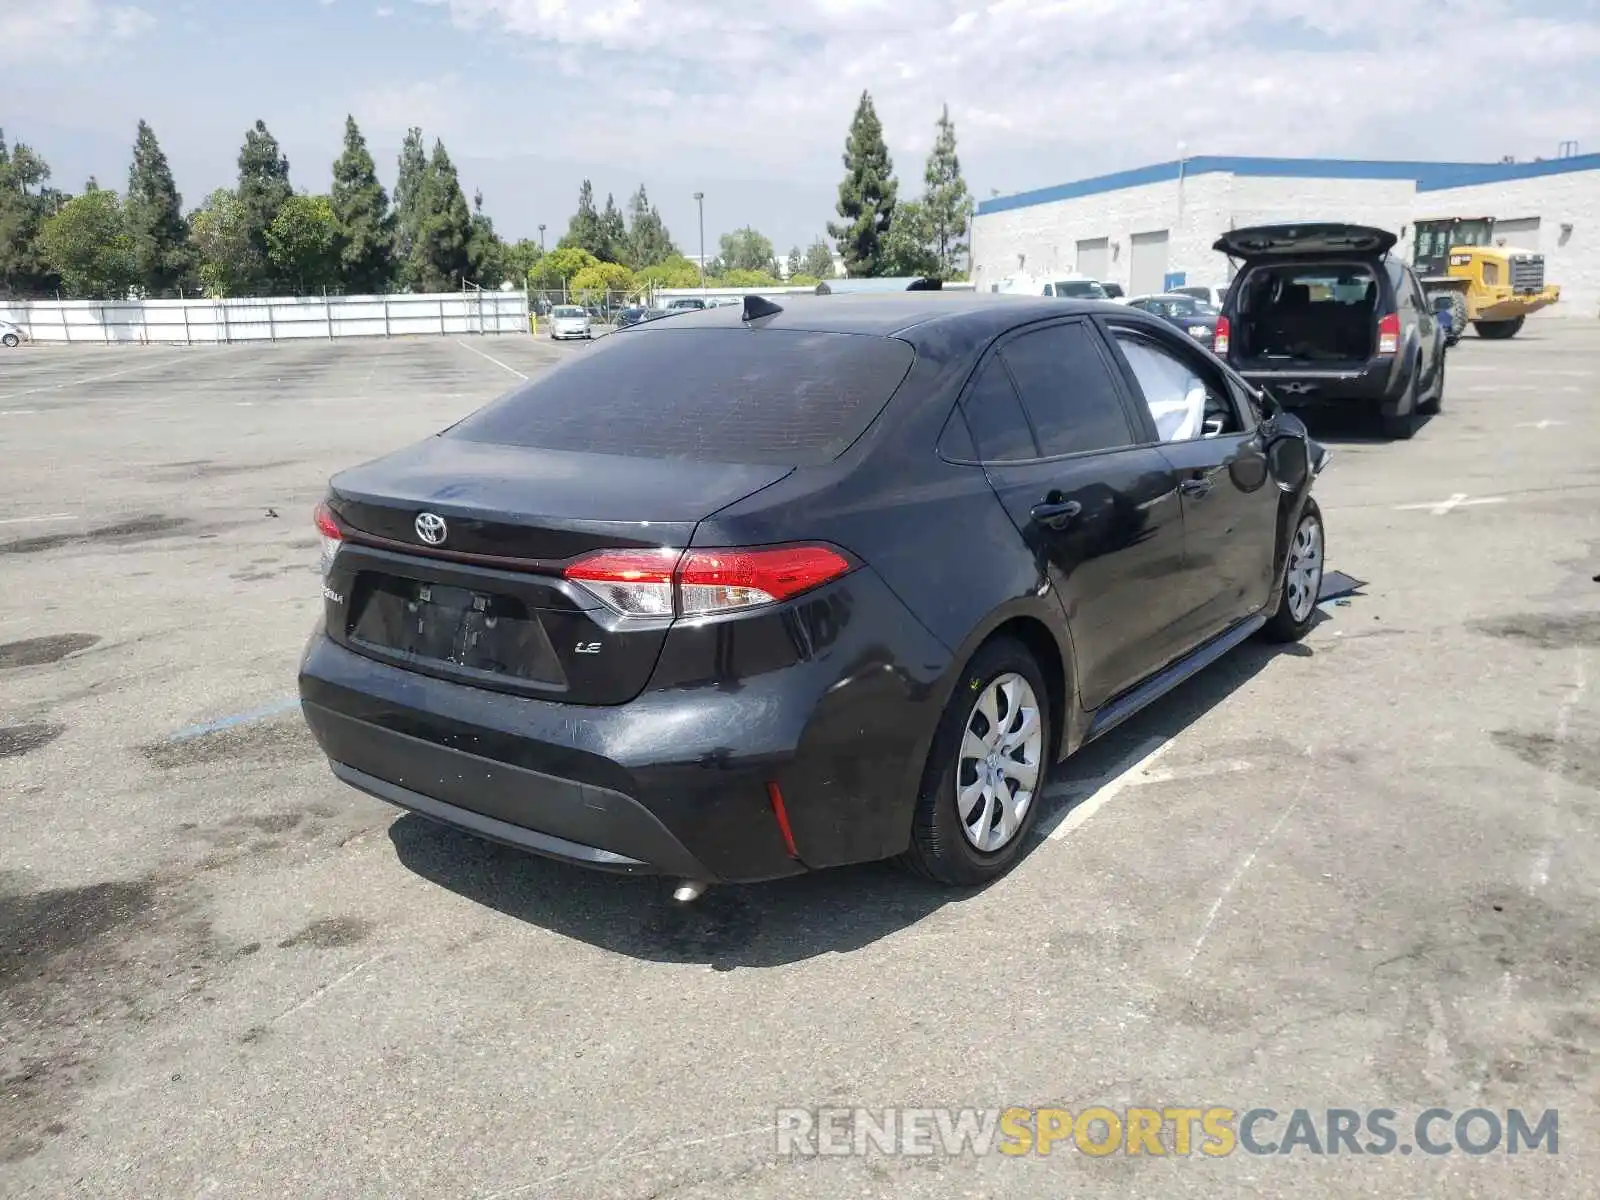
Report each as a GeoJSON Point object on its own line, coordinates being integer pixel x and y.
{"type": "Point", "coordinates": [1047, 90]}
{"type": "Point", "coordinates": [65, 30]}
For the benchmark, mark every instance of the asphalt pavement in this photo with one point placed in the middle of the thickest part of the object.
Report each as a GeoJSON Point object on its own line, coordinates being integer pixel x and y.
{"type": "Point", "coordinates": [1359, 873]}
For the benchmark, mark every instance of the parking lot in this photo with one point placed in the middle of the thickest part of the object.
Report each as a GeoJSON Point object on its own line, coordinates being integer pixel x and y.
{"type": "Point", "coordinates": [1361, 872]}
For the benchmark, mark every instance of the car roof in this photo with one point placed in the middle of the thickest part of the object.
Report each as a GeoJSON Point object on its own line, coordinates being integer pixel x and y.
{"type": "Point", "coordinates": [888, 314]}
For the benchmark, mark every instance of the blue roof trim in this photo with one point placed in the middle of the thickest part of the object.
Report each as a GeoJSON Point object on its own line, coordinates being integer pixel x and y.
{"type": "Point", "coordinates": [1428, 176]}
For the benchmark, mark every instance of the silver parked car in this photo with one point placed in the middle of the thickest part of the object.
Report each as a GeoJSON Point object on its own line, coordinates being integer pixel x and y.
{"type": "Point", "coordinates": [570, 321]}
{"type": "Point", "coordinates": [11, 336]}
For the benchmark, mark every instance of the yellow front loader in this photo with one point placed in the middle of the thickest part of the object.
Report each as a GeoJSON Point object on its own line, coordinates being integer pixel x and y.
{"type": "Point", "coordinates": [1493, 288]}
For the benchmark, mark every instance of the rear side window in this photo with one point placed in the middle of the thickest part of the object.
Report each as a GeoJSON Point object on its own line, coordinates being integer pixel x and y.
{"type": "Point", "coordinates": [995, 417]}
{"type": "Point", "coordinates": [777, 396]}
{"type": "Point", "coordinates": [1068, 389]}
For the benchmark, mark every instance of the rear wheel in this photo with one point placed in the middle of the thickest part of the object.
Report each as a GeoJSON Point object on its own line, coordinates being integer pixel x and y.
{"type": "Point", "coordinates": [11, 341]}
{"type": "Point", "coordinates": [1497, 331]}
{"type": "Point", "coordinates": [1458, 319]}
{"type": "Point", "coordinates": [986, 770]}
{"type": "Point", "coordinates": [1403, 424]}
{"type": "Point", "coordinates": [1435, 400]}
{"type": "Point", "coordinates": [1302, 580]}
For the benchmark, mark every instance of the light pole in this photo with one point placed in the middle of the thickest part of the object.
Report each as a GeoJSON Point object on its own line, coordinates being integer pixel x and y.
{"type": "Point", "coordinates": [541, 239]}
{"type": "Point", "coordinates": [700, 200]}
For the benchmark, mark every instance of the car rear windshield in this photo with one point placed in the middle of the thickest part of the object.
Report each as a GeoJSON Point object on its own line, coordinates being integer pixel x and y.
{"type": "Point", "coordinates": [1084, 289]}
{"type": "Point", "coordinates": [708, 395]}
{"type": "Point", "coordinates": [567, 310]}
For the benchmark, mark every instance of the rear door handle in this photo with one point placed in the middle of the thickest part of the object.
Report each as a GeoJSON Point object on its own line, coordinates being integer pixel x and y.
{"type": "Point", "coordinates": [1195, 487]}
{"type": "Point", "coordinates": [1055, 515]}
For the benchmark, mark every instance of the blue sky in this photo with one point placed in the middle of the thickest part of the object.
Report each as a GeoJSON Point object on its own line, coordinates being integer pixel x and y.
{"type": "Point", "coordinates": [749, 100]}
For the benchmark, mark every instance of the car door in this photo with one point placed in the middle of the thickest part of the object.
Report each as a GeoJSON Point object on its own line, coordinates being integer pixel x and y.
{"type": "Point", "coordinates": [1056, 433]}
{"type": "Point", "coordinates": [1429, 335]}
{"type": "Point", "coordinates": [1230, 509]}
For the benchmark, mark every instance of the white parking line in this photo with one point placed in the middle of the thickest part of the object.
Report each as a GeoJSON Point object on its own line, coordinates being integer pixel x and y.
{"type": "Point", "coordinates": [72, 383]}
{"type": "Point", "coordinates": [17, 412]}
{"type": "Point", "coordinates": [1099, 792]}
{"type": "Point", "coordinates": [47, 517]}
{"type": "Point", "coordinates": [491, 358]}
{"type": "Point", "coordinates": [1545, 424]}
{"type": "Point", "coordinates": [1459, 500]}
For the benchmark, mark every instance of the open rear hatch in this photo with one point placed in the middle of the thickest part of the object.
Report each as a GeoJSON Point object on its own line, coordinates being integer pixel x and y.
{"type": "Point", "coordinates": [1316, 238]}
{"type": "Point", "coordinates": [451, 555]}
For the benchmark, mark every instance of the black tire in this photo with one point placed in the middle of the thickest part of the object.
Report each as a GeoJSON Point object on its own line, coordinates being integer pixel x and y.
{"type": "Point", "coordinates": [1402, 425]}
{"type": "Point", "coordinates": [940, 849]}
{"type": "Point", "coordinates": [1284, 625]}
{"type": "Point", "coordinates": [11, 341]}
{"type": "Point", "coordinates": [1435, 401]}
{"type": "Point", "coordinates": [1458, 319]}
{"type": "Point", "coordinates": [1498, 331]}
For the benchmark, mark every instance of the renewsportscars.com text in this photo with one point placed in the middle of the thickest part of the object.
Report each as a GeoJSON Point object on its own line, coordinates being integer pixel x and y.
{"type": "Point", "coordinates": [1168, 1130]}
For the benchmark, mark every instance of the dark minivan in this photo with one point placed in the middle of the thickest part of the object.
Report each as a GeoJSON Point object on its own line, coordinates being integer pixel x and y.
{"type": "Point", "coordinates": [1324, 314]}
{"type": "Point", "coordinates": [753, 592]}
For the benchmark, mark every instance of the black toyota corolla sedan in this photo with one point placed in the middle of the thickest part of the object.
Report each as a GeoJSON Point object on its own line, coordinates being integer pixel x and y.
{"type": "Point", "coordinates": [759, 591]}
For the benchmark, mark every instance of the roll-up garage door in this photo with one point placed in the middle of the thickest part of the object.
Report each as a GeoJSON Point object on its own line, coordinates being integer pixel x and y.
{"type": "Point", "coordinates": [1149, 262]}
{"type": "Point", "coordinates": [1094, 258]}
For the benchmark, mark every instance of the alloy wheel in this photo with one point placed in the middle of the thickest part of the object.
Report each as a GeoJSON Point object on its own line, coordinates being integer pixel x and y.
{"type": "Point", "coordinates": [997, 767]}
{"type": "Point", "coordinates": [1304, 579]}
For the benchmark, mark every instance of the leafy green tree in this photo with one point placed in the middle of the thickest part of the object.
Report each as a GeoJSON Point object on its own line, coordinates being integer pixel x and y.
{"type": "Point", "coordinates": [225, 256]}
{"type": "Point", "coordinates": [747, 250]}
{"type": "Point", "coordinates": [362, 218]}
{"type": "Point", "coordinates": [673, 272]}
{"type": "Point", "coordinates": [792, 263]}
{"type": "Point", "coordinates": [153, 211]}
{"type": "Point", "coordinates": [649, 242]}
{"type": "Point", "coordinates": [263, 188]}
{"type": "Point", "coordinates": [818, 261]}
{"type": "Point", "coordinates": [439, 260]}
{"type": "Point", "coordinates": [25, 202]}
{"type": "Point", "coordinates": [613, 233]}
{"type": "Point", "coordinates": [596, 281]}
{"type": "Point", "coordinates": [866, 194]}
{"type": "Point", "coordinates": [88, 245]}
{"type": "Point", "coordinates": [946, 201]}
{"type": "Point", "coordinates": [585, 231]}
{"type": "Point", "coordinates": [303, 244]}
{"type": "Point", "coordinates": [522, 258]}
{"type": "Point", "coordinates": [741, 277]}
{"type": "Point", "coordinates": [560, 265]}
{"type": "Point", "coordinates": [407, 193]}
{"type": "Point", "coordinates": [907, 250]}
{"type": "Point", "coordinates": [486, 253]}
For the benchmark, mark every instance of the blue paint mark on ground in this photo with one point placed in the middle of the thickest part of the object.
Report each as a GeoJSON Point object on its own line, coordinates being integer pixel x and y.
{"type": "Point", "coordinates": [255, 714]}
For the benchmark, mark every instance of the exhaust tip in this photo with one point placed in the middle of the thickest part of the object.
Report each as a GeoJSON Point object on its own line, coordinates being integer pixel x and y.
{"type": "Point", "coordinates": [688, 891]}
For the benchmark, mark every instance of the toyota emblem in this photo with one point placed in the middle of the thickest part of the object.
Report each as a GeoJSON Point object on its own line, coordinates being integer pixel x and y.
{"type": "Point", "coordinates": [431, 528]}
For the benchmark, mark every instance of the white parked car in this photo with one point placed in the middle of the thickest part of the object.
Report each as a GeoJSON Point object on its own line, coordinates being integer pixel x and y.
{"type": "Point", "coordinates": [1206, 295]}
{"type": "Point", "coordinates": [569, 321]}
{"type": "Point", "coordinates": [11, 336]}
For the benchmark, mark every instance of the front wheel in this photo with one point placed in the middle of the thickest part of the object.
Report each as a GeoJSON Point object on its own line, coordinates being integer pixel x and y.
{"type": "Point", "coordinates": [985, 772]}
{"type": "Point", "coordinates": [1458, 319]}
{"type": "Point", "coordinates": [1497, 331]}
{"type": "Point", "coordinates": [11, 341]}
{"type": "Point", "coordinates": [1302, 580]}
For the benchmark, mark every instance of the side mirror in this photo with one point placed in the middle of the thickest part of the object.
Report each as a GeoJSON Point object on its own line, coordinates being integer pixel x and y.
{"type": "Point", "coordinates": [1289, 458]}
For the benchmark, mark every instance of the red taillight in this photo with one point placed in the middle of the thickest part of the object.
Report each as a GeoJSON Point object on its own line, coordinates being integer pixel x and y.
{"type": "Point", "coordinates": [1389, 334]}
{"type": "Point", "coordinates": [332, 537]}
{"type": "Point", "coordinates": [635, 582]}
{"type": "Point", "coordinates": [1219, 344]}
{"type": "Point", "coordinates": [659, 583]}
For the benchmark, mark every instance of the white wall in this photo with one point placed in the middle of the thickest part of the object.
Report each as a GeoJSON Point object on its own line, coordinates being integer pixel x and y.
{"type": "Point", "coordinates": [1570, 260]}
{"type": "Point", "coordinates": [1047, 234]}
{"type": "Point", "coordinates": [280, 318]}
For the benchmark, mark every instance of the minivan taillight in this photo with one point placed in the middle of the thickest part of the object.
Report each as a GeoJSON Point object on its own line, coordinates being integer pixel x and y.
{"type": "Point", "coordinates": [1389, 334]}
{"type": "Point", "coordinates": [696, 583]}
{"type": "Point", "coordinates": [1219, 344]}
{"type": "Point", "coordinates": [332, 538]}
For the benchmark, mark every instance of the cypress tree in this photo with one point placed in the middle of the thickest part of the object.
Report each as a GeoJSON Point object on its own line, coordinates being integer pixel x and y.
{"type": "Point", "coordinates": [153, 212]}
{"type": "Point", "coordinates": [364, 224]}
{"type": "Point", "coordinates": [263, 187]}
{"type": "Point", "coordinates": [866, 194]}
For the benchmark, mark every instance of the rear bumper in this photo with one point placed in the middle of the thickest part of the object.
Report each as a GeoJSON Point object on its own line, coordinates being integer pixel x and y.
{"type": "Point", "coordinates": [829, 698]}
{"type": "Point", "coordinates": [1378, 379]}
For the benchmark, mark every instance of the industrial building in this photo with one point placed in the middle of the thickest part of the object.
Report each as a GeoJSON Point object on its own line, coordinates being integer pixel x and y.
{"type": "Point", "coordinates": [1152, 228]}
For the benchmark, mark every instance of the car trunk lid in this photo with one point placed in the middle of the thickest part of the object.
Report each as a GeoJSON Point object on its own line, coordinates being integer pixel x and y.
{"type": "Point", "coordinates": [1315, 238]}
{"type": "Point", "coordinates": [452, 555]}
